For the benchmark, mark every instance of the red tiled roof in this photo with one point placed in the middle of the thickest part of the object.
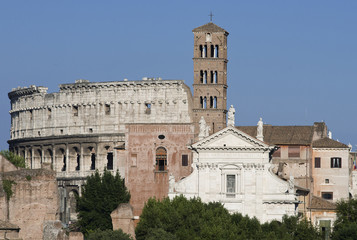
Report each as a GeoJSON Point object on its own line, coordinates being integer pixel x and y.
{"type": "Point", "coordinates": [209, 27]}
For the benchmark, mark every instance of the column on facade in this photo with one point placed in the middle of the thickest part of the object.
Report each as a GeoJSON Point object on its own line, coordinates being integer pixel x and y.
{"type": "Point", "coordinates": [67, 158]}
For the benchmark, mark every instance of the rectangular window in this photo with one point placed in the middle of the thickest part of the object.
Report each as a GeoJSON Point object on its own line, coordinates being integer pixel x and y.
{"type": "Point", "coordinates": [75, 111]}
{"type": "Point", "coordinates": [184, 160]}
{"type": "Point", "coordinates": [294, 151]}
{"type": "Point", "coordinates": [231, 186]}
{"type": "Point", "coordinates": [317, 162]}
{"type": "Point", "coordinates": [107, 109]}
{"type": "Point", "coordinates": [327, 195]}
{"type": "Point", "coordinates": [336, 162]}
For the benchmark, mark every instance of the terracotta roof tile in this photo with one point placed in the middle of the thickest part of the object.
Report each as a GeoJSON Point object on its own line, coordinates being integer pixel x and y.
{"type": "Point", "coordinates": [281, 135]}
{"type": "Point", "coordinates": [320, 203]}
{"type": "Point", "coordinates": [209, 27]}
{"type": "Point", "coordinates": [328, 143]}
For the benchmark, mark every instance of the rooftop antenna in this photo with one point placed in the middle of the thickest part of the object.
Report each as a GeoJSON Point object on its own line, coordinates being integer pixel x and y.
{"type": "Point", "coordinates": [211, 16]}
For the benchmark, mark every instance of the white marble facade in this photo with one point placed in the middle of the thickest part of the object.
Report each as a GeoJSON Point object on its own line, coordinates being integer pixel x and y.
{"type": "Point", "coordinates": [233, 168]}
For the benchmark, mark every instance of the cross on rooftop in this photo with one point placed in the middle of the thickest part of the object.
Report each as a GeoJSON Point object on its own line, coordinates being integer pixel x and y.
{"type": "Point", "coordinates": [211, 16]}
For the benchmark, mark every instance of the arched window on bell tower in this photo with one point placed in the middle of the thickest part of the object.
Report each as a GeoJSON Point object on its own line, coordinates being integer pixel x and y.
{"type": "Point", "coordinates": [213, 51]}
{"type": "Point", "coordinates": [215, 102]}
{"type": "Point", "coordinates": [215, 77]}
{"type": "Point", "coordinates": [210, 102]}
{"type": "Point", "coordinates": [201, 51]}
{"type": "Point", "coordinates": [205, 77]}
{"type": "Point", "coordinates": [201, 76]}
{"type": "Point", "coordinates": [216, 51]}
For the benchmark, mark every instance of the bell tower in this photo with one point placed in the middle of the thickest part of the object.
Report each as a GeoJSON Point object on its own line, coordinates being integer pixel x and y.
{"type": "Point", "coordinates": [210, 76]}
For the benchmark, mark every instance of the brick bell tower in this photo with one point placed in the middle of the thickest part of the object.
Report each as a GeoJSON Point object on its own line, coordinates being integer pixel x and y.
{"type": "Point", "coordinates": [210, 76]}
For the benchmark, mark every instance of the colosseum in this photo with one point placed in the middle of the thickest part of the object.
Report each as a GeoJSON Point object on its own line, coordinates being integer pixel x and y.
{"type": "Point", "coordinates": [139, 128]}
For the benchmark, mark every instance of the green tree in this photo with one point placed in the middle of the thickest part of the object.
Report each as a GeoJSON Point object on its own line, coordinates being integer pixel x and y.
{"type": "Point", "coordinates": [17, 160]}
{"type": "Point", "coordinates": [345, 226]}
{"type": "Point", "coordinates": [100, 196]}
{"type": "Point", "coordinates": [108, 235]}
{"type": "Point", "coordinates": [181, 219]}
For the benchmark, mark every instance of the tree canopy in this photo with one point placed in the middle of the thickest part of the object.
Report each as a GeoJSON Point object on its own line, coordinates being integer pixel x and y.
{"type": "Point", "coordinates": [17, 160]}
{"type": "Point", "coordinates": [345, 226]}
{"type": "Point", "coordinates": [181, 219]}
{"type": "Point", "coordinates": [100, 196]}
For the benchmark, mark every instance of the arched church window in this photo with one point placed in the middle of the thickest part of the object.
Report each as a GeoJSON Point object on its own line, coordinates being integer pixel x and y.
{"type": "Point", "coordinates": [212, 51]}
{"type": "Point", "coordinates": [215, 77]}
{"type": "Point", "coordinates": [210, 102]}
{"type": "Point", "coordinates": [215, 102]}
{"type": "Point", "coordinates": [161, 159]}
{"type": "Point", "coordinates": [216, 51]}
{"type": "Point", "coordinates": [205, 77]}
{"type": "Point", "coordinates": [205, 102]}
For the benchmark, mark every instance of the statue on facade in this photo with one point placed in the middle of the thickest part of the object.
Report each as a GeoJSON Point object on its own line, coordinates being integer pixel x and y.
{"type": "Point", "coordinates": [291, 182]}
{"type": "Point", "coordinates": [231, 117]}
{"type": "Point", "coordinates": [260, 130]}
{"type": "Point", "coordinates": [203, 128]}
{"type": "Point", "coordinates": [208, 128]}
{"type": "Point", "coordinates": [171, 183]}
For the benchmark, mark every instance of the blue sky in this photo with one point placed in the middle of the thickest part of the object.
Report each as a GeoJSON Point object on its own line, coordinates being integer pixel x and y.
{"type": "Point", "coordinates": [290, 62]}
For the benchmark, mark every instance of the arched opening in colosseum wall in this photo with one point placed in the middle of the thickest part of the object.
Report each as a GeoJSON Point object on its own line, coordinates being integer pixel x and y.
{"type": "Point", "coordinates": [110, 158]}
{"type": "Point", "coordinates": [48, 158]}
{"type": "Point", "coordinates": [75, 158]}
{"type": "Point", "coordinates": [29, 158]}
{"type": "Point", "coordinates": [92, 158]}
{"type": "Point", "coordinates": [60, 160]}
{"type": "Point", "coordinates": [37, 158]}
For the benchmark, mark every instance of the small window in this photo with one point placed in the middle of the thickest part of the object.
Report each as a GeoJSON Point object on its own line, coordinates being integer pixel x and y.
{"type": "Point", "coordinates": [327, 181]}
{"type": "Point", "coordinates": [75, 111]}
{"type": "Point", "coordinates": [61, 131]}
{"type": "Point", "coordinates": [91, 130]}
{"type": "Point", "coordinates": [31, 115]}
{"type": "Point", "coordinates": [134, 158]}
{"type": "Point", "coordinates": [148, 108]}
{"type": "Point", "coordinates": [231, 186]}
{"type": "Point", "coordinates": [107, 109]}
{"type": "Point", "coordinates": [327, 195]}
{"type": "Point", "coordinates": [161, 137]}
{"type": "Point", "coordinates": [317, 162]}
{"type": "Point", "coordinates": [294, 151]}
{"type": "Point", "coordinates": [49, 113]}
{"type": "Point", "coordinates": [336, 162]}
{"type": "Point", "coordinates": [184, 160]}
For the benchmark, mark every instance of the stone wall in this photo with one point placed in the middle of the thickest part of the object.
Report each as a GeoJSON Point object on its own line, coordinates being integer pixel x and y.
{"type": "Point", "coordinates": [93, 108]}
{"type": "Point", "coordinates": [34, 201]}
{"type": "Point", "coordinates": [149, 143]}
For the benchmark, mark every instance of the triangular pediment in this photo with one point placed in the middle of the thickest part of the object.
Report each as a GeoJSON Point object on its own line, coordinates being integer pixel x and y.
{"type": "Point", "coordinates": [230, 138]}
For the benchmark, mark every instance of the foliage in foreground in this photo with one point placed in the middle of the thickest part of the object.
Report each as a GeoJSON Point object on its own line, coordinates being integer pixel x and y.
{"type": "Point", "coordinates": [346, 223]}
{"type": "Point", "coordinates": [108, 235]}
{"type": "Point", "coordinates": [181, 219]}
{"type": "Point", "coordinates": [17, 160]}
{"type": "Point", "coordinates": [100, 196]}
